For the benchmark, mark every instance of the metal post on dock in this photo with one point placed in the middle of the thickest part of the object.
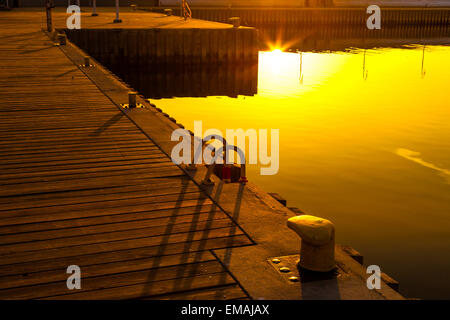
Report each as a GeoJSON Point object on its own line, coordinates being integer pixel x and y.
{"type": "Point", "coordinates": [235, 21]}
{"type": "Point", "coordinates": [49, 4]}
{"type": "Point", "coordinates": [94, 8]}
{"type": "Point", "coordinates": [132, 99]}
{"type": "Point", "coordinates": [117, 20]}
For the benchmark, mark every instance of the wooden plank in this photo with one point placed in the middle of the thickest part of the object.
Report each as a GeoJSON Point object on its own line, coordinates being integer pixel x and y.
{"type": "Point", "coordinates": [53, 149]}
{"type": "Point", "coordinates": [230, 292]}
{"type": "Point", "coordinates": [94, 163]}
{"type": "Point", "coordinates": [158, 234]}
{"type": "Point", "coordinates": [110, 227]}
{"type": "Point", "coordinates": [114, 194]}
{"type": "Point", "coordinates": [24, 189]}
{"type": "Point", "coordinates": [91, 165]}
{"type": "Point", "coordinates": [96, 270]}
{"type": "Point", "coordinates": [149, 278]}
{"type": "Point", "coordinates": [165, 171]}
{"type": "Point", "coordinates": [146, 290]}
{"type": "Point", "coordinates": [54, 132]}
{"type": "Point", "coordinates": [135, 153]}
{"type": "Point", "coordinates": [93, 248]}
{"type": "Point", "coordinates": [76, 140]}
{"type": "Point", "coordinates": [103, 207]}
{"type": "Point", "coordinates": [149, 209]}
{"type": "Point", "coordinates": [98, 220]}
{"type": "Point", "coordinates": [40, 264]}
{"type": "Point", "coordinates": [150, 184]}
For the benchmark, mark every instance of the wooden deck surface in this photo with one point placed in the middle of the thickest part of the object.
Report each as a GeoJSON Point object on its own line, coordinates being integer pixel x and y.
{"type": "Point", "coordinates": [81, 185]}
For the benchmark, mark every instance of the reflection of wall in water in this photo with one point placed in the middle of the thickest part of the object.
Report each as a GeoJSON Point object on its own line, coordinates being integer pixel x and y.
{"type": "Point", "coordinates": [165, 81]}
{"type": "Point", "coordinates": [336, 38]}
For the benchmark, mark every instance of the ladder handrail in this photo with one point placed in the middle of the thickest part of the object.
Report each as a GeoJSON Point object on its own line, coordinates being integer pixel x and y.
{"type": "Point", "coordinates": [203, 145]}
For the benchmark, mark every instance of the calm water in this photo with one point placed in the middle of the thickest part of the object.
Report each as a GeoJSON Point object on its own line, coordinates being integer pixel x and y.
{"type": "Point", "coordinates": [364, 138]}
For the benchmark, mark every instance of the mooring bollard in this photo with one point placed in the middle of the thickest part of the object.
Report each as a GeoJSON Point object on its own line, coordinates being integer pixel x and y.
{"type": "Point", "coordinates": [87, 62]}
{"type": "Point", "coordinates": [132, 99]}
{"type": "Point", "coordinates": [235, 21]}
{"type": "Point", "coordinates": [168, 12]}
{"type": "Point", "coordinates": [317, 242]}
{"type": "Point", "coordinates": [62, 38]}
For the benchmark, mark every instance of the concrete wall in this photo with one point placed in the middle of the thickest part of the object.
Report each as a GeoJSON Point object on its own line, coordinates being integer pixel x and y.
{"type": "Point", "coordinates": [138, 47]}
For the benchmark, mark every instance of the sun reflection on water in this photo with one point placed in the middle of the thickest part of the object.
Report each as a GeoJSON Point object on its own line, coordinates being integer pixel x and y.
{"type": "Point", "coordinates": [284, 74]}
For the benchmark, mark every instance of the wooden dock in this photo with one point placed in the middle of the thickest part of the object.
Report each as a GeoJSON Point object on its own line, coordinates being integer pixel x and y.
{"type": "Point", "coordinates": [80, 184]}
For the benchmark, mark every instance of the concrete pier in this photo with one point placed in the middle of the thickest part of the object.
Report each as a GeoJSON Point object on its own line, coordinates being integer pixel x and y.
{"type": "Point", "coordinates": [150, 38]}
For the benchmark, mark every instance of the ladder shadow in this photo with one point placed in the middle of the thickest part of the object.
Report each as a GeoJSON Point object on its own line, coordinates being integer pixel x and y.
{"type": "Point", "coordinates": [114, 119]}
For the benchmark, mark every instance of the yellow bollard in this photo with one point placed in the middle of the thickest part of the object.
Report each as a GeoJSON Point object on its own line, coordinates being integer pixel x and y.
{"type": "Point", "coordinates": [317, 242]}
